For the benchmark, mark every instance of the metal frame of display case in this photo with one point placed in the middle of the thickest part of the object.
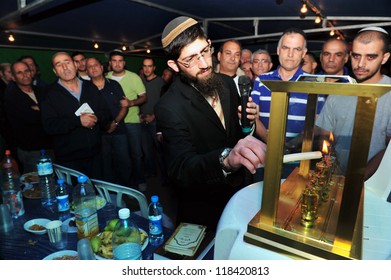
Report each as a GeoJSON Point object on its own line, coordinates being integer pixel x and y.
{"type": "Point", "coordinates": [345, 215]}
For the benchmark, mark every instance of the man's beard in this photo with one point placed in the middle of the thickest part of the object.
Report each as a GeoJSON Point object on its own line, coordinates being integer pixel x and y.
{"type": "Point", "coordinates": [208, 86]}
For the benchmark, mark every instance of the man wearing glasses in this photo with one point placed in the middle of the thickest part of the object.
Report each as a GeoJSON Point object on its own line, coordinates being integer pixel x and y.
{"type": "Point", "coordinates": [199, 121]}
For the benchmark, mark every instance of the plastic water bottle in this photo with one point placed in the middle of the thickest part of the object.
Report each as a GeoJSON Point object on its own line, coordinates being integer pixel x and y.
{"type": "Point", "coordinates": [84, 199]}
{"type": "Point", "coordinates": [62, 196]}
{"type": "Point", "coordinates": [11, 191]}
{"type": "Point", "coordinates": [155, 215]}
{"type": "Point", "coordinates": [46, 180]}
{"type": "Point", "coordinates": [126, 238]}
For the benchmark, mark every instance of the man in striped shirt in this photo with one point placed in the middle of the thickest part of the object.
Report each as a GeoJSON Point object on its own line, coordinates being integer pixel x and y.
{"type": "Point", "coordinates": [291, 50]}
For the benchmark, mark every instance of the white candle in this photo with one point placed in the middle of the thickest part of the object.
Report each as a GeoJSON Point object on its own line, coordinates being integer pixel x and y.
{"type": "Point", "coordinates": [302, 156]}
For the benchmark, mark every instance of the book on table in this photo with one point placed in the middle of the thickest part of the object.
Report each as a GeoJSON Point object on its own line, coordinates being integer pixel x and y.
{"type": "Point", "coordinates": [202, 252]}
{"type": "Point", "coordinates": [187, 242]}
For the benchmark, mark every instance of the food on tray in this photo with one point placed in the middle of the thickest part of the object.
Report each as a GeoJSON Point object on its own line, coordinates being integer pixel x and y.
{"type": "Point", "coordinates": [101, 244]}
{"type": "Point", "coordinates": [67, 258]}
{"type": "Point", "coordinates": [36, 227]}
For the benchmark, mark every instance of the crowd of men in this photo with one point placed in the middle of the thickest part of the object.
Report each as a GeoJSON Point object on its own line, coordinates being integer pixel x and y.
{"type": "Point", "coordinates": [121, 127]}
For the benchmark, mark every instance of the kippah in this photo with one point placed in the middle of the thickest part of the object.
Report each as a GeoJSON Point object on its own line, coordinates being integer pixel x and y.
{"type": "Point", "coordinates": [116, 52]}
{"type": "Point", "coordinates": [176, 27]}
{"type": "Point", "coordinates": [374, 28]}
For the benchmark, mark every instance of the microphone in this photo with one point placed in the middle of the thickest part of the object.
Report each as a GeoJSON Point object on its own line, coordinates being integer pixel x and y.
{"type": "Point", "coordinates": [245, 92]}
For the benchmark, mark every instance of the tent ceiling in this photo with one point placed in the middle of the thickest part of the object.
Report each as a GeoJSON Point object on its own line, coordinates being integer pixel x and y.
{"type": "Point", "coordinates": [76, 24]}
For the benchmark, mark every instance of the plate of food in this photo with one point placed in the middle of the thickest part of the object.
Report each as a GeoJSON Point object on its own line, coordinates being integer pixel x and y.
{"type": "Point", "coordinates": [36, 226]}
{"type": "Point", "coordinates": [63, 255]}
{"type": "Point", "coordinates": [103, 248]}
{"type": "Point", "coordinates": [100, 203]}
{"type": "Point", "coordinates": [32, 191]}
{"type": "Point", "coordinates": [28, 178]}
{"type": "Point", "coordinates": [70, 222]}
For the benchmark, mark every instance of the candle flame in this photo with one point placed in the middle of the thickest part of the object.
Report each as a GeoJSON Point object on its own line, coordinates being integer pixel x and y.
{"type": "Point", "coordinates": [325, 148]}
{"type": "Point", "coordinates": [331, 138]}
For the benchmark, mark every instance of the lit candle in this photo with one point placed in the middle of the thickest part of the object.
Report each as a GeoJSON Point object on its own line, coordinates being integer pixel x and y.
{"type": "Point", "coordinates": [325, 151]}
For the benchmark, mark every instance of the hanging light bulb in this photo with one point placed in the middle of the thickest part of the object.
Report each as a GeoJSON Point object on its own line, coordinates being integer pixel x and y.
{"type": "Point", "coordinates": [318, 19]}
{"type": "Point", "coordinates": [11, 38]}
{"type": "Point", "coordinates": [332, 33]}
{"type": "Point", "coordinates": [148, 51]}
{"type": "Point", "coordinates": [123, 48]}
{"type": "Point", "coordinates": [304, 9]}
{"type": "Point", "coordinates": [96, 45]}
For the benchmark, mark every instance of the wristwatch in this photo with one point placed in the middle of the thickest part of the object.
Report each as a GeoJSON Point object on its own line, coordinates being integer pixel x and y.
{"type": "Point", "coordinates": [224, 154]}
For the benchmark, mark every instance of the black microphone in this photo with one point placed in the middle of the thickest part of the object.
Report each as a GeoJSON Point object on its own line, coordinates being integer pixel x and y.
{"type": "Point", "coordinates": [245, 92]}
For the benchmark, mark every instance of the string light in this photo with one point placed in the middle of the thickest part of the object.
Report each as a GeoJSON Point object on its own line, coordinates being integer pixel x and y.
{"type": "Point", "coordinates": [96, 45]}
{"type": "Point", "coordinates": [148, 51]}
{"type": "Point", "coordinates": [332, 33]}
{"type": "Point", "coordinates": [304, 9]}
{"type": "Point", "coordinates": [11, 38]}
{"type": "Point", "coordinates": [318, 19]}
{"type": "Point", "coordinates": [123, 47]}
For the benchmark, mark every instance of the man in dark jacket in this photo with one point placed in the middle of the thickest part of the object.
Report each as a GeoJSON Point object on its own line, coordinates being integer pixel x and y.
{"type": "Point", "coordinates": [74, 112]}
{"type": "Point", "coordinates": [22, 106]}
{"type": "Point", "coordinates": [198, 118]}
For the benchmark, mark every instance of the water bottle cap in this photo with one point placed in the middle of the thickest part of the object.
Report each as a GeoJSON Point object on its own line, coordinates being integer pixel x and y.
{"type": "Point", "coordinates": [82, 179]}
{"type": "Point", "coordinates": [124, 213]}
{"type": "Point", "coordinates": [154, 198]}
{"type": "Point", "coordinates": [60, 181]}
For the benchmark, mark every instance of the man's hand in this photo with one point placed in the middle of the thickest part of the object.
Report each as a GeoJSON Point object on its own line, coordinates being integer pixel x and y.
{"type": "Point", "coordinates": [112, 127]}
{"type": "Point", "coordinates": [88, 120]}
{"type": "Point", "coordinates": [248, 152]}
{"type": "Point", "coordinates": [252, 111]}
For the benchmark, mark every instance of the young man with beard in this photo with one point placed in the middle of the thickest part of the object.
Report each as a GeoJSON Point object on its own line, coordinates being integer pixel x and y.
{"type": "Point", "coordinates": [199, 121]}
{"type": "Point", "coordinates": [369, 53]}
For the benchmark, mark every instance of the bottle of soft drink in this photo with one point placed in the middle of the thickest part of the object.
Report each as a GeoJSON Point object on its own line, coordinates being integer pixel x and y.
{"type": "Point", "coordinates": [155, 215]}
{"type": "Point", "coordinates": [11, 190]}
{"type": "Point", "coordinates": [126, 239]}
{"type": "Point", "coordinates": [84, 200]}
{"type": "Point", "coordinates": [62, 196]}
{"type": "Point", "coordinates": [46, 180]}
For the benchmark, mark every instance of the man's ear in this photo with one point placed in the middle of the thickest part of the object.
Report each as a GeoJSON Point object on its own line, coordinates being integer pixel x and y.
{"type": "Point", "coordinates": [173, 65]}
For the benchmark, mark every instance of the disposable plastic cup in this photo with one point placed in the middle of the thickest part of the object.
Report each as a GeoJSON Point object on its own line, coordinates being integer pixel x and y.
{"type": "Point", "coordinates": [6, 222]}
{"type": "Point", "coordinates": [58, 234]}
{"type": "Point", "coordinates": [84, 250]}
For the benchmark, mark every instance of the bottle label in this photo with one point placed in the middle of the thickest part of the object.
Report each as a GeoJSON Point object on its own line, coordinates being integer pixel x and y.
{"type": "Point", "coordinates": [45, 168]}
{"type": "Point", "coordinates": [63, 203]}
{"type": "Point", "coordinates": [155, 225]}
{"type": "Point", "coordinates": [127, 251]}
{"type": "Point", "coordinates": [87, 223]}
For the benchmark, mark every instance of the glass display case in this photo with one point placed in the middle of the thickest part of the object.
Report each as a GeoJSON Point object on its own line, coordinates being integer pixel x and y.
{"type": "Point", "coordinates": [316, 212]}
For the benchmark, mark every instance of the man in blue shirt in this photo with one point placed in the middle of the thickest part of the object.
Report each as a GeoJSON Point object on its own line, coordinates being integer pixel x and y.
{"type": "Point", "coordinates": [291, 50]}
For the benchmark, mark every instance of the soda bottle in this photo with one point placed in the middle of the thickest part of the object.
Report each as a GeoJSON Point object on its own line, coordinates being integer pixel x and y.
{"type": "Point", "coordinates": [126, 238]}
{"type": "Point", "coordinates": [155, 216]}
{"type": "Point", "coordinates": [62, 196]}
{"type": "Point", "coordinates": [84, 199]}
{"type": "Point", "coordinates": [11, 190]}
{"type": "Point", "coordinates": [46, 180]}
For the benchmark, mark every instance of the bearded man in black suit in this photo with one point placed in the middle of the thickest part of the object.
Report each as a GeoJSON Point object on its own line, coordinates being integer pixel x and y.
{"type": "Point", "coordinates": [203, 143]}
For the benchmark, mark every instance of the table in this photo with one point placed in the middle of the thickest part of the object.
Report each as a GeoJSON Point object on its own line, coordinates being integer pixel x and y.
{"type": "Point", "coordinates": [22, 245]}
{"type": "Point", "coordinates": [246, 203]}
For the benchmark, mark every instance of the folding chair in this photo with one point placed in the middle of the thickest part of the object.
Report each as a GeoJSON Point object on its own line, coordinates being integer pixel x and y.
{"type": "Point", "coordinates": [107, 189]}
{"type": "Point", "coordinates": [67, 174]}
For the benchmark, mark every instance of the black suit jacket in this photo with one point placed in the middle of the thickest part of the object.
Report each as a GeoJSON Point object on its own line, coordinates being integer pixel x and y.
{"type": "Point", "coordinates": [193, 139]}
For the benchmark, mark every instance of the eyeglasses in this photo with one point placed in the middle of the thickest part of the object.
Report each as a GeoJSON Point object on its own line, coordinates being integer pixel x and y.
{"type": "Point", "coordinates": [193, 60]}
{"type": "Point", "coordinates": [263, 61]}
